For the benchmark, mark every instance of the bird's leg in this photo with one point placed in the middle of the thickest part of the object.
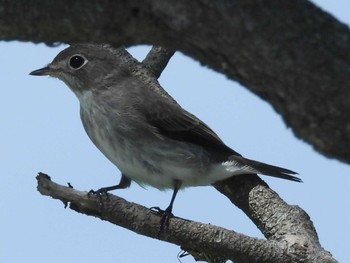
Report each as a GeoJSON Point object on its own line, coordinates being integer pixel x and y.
{"type": "Point", "coordinates": [167, 213]}
{"type": "Point", "coordinates": [123, 183]}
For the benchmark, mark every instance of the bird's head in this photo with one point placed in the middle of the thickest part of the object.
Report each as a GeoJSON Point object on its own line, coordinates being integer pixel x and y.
{"type": "Point", "coordinates": [84, 66]}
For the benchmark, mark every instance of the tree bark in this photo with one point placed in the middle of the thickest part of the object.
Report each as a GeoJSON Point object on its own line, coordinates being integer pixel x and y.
{"type": "Point", "coordinates": [290, 53]}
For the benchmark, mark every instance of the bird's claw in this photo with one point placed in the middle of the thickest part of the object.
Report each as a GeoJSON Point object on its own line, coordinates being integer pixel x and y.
{"type": "Point", "coordinates": [164, 221]}
{"type": "Point", "coordinates": [99, 193]}
{"type": "Point", "coordinates": [156, 210]}
{"type": "Point", "coordinates": [165, 216]}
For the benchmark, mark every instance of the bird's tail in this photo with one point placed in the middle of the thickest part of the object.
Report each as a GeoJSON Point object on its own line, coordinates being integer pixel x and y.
{"type": "Point", "coordinates": [265, 169]}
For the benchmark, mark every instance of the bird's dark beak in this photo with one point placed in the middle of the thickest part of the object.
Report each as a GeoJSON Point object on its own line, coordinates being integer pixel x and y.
{"type": "Point", "coordinates": [42, 72]}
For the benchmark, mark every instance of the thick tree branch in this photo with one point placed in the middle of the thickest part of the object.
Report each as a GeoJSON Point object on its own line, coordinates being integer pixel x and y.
{"type": "Point", "coordinates": [289, 53]}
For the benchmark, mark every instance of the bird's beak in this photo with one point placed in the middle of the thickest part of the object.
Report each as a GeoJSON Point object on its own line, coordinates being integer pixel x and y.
{"type": "Point", "coordinates": [42, 72]}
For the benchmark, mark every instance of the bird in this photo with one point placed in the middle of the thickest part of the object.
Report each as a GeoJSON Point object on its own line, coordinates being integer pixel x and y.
{"type": "Point", "coordinates": [143, 131]}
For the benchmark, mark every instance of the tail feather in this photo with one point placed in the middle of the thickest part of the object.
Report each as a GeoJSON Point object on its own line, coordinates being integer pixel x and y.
{"type": "Point", "coordinates": [265, 169]}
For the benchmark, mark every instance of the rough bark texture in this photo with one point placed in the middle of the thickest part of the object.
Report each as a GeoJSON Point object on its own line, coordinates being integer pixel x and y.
{"type": "Point", "coordinates": [290, 53]}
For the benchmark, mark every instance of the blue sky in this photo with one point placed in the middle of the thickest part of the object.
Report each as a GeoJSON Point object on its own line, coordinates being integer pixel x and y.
{"type": "Point", "coordinates": [41, 131]}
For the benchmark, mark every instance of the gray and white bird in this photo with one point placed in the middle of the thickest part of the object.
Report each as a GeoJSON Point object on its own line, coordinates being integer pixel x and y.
{"type": "Point", "coordinates": [148, 136]}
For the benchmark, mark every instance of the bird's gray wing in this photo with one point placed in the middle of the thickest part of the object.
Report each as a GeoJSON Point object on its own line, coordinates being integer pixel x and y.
{"type": "Point", "coordinates": [176, 123]}
{"type": "Point", "coordinates": [173, 122]}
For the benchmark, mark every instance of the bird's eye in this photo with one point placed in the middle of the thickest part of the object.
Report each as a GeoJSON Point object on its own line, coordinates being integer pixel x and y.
{"type": "Point", "coordinates": [77, 61]}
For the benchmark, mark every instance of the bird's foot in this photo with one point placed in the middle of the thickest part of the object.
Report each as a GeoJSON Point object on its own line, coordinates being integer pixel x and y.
{"type": "Point", "coordinates": [156, 210]}
{"type": "Point", "coordinates": [165, 216]}
{"type": "Point", "coordinates": [164, 221]}
{"type": "Point", "coordinates": [100, 193]}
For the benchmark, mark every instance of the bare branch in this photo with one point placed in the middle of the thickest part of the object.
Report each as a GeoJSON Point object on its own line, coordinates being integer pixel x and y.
{"type": "Point", "coordinates": [195, 237]}
{"type": "Point", "coordinates": [276, 219]}
{"type": "Point", "coordinates": [157, 59]}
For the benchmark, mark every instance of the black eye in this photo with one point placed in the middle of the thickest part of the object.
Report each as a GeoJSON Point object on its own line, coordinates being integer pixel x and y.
{"type": "Point", "coordinates": [77, 61]}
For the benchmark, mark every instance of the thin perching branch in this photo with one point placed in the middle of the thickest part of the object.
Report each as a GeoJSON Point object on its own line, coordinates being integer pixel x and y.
{"type": "Point", "coordinates": [204, 239]}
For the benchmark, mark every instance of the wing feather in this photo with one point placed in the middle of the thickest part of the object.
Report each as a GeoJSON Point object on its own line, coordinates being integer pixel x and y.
{"type": "Point", "coordinates": [174, 122]}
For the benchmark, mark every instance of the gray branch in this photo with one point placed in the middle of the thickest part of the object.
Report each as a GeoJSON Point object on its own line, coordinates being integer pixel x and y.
{"type": "Point", "coordinates": [206, 242]}
{"type": "Point", "coordinates": [157, 59]}
{"type": "Point", "coordinates": [290, 53]}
